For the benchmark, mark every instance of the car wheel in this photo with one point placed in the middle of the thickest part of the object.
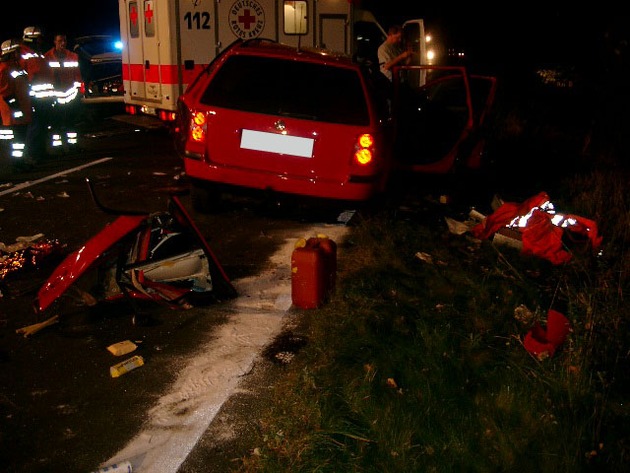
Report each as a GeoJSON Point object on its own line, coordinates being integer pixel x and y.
{"type": "Point", "coordinates": [204, 197]}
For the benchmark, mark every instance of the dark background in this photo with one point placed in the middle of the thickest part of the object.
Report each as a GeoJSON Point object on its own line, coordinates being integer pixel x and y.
{"type": "Point", "coordinates": [538, 31]}
{"type": "Point", "coordinates": [73, 18]}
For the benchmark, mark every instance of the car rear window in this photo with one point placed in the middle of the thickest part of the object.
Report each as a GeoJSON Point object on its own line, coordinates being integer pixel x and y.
{"type": "Point", "coordinates": [289, 88]}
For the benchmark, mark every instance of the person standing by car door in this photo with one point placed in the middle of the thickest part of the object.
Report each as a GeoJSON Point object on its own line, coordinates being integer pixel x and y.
{"type": "Point", "coordinates": [15, 103]}
{"type": "Point", "coordinates": [391, 53]}
{"type": "Point", "coordinates": [42, 92]}
{"type": "Point", "coordinates": [67, 82]}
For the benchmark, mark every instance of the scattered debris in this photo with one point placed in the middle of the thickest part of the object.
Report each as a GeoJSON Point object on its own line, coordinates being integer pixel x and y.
{"type": "Point", "coordinates": [345, 216]}
{"type": "Point", "coordinates": [26, 253]}
{"type": "Point", "coordinates": [523, 315]}
{"type": "Point", "coordinates": [426, 257]}
{"type": "Point", "coordinates": [126, 366]}
{"type": "Point", "coordinates": [391, 383]}
{"type": "Point", "coordinates": [284, 348]}
{"type": "Point", "coordinates": [31, 329]}
{"type": "Point", "coordinates": [122, 348]}
{"type": "Point", "coordinates": [459, 228]}
{"type": "Point", "coordinates": [508, 237]}
{"type": "Point", "coordinates": [29, 239]}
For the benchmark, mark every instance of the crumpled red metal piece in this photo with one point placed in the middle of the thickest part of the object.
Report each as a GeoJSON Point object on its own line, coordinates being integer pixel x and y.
{"type": "Point", "coordinates": [541, 237]}
{"type": "Point", "coordinates": [543, 342]}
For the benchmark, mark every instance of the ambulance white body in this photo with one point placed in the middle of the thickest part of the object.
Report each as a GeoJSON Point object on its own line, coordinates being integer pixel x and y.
{"type": "Point", "coordinates": [167, 43]}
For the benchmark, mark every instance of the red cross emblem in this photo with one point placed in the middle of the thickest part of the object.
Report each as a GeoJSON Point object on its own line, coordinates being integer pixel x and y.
{"type": "Point", "coordinates": [133, 15]}
{"type": "Point", "coordinates": [246, 18]}
{"type": "Point", "coordinates": [148, 13]}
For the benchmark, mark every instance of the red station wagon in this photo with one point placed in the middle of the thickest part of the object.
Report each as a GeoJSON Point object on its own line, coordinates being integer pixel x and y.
{"type": "Point", "coordinates": [269, 117]}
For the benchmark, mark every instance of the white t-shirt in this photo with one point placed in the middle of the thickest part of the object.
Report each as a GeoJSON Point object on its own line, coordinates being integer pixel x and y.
{"type": "Point", "coordinates": [387, 52]}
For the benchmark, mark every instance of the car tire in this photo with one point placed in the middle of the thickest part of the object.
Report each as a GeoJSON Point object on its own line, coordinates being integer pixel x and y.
{"type": "Point", "coordinates": [205, 198]}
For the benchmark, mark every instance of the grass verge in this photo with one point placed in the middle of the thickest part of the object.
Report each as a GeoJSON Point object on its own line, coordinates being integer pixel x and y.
{"type": "Point", "coordinates": [418, 364]}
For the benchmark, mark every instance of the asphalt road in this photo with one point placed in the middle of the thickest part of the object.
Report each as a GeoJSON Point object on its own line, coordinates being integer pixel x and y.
{"type": "Point", "coordinates": [60, 410]}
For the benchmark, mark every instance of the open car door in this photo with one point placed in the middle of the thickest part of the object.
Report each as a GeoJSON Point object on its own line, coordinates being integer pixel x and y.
{"type": "Point", "coordinates": [440, 116]}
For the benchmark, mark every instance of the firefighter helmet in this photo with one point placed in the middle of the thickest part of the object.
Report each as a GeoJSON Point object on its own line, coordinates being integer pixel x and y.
{"type": "Point", "coordinates": [8, 46]}
{"type": "Point", "coordinates": [31, 33]}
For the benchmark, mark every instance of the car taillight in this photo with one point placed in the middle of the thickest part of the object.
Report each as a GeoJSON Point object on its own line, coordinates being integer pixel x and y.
{"type": "Point", "coordinates": [364, 151]}
{"type": "Point", "coordinates": [167, 116]}
{"type": "Point", "coordinates": [192, 133]}
{"type": "Point", "coordinates": [198, 127]}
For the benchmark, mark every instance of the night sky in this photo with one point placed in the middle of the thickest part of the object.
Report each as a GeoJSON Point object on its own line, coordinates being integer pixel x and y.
{"type": "Point", "coordinates": [90, 17]}
{"type": "Point", "coordinates": [507, 32]}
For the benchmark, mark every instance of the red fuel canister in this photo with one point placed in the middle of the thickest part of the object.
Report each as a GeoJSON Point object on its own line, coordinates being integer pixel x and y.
{"type": "Point", "coordinates": [313, 272]}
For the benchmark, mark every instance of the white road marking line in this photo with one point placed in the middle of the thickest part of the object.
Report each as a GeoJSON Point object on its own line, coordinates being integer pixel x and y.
{"type": "Point", "coordinates": [27, 184]}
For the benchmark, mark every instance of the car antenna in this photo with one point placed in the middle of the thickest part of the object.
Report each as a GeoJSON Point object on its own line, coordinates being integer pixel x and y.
{"type": "Point", "coordinates": [109, 210]}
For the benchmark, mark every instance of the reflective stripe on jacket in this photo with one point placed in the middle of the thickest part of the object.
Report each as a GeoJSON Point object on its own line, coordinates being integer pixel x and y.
{"type": "Point", "coordinates": [67, 75]}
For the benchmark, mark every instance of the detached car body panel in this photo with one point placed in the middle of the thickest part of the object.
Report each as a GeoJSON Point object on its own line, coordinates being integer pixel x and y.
{"type": "Point", "coordinates": [160, 257]}
{"type": "Point", "coordinates": [312, 123]}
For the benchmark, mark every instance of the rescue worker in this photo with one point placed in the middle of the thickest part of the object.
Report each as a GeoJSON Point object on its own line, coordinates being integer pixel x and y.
{"type": "Point", "coordinates": [42, 92]}
{"type": "Point", "coordinates": [15, 103]}
{"type": "Point", "coordinates": [67, 82]}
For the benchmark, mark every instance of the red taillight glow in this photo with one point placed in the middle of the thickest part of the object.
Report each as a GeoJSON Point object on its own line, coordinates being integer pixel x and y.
{"type": "Point", "coordinates": [364, 153]}
{"type": "Point", "coordinates": [199, 119]}
{"type": "Point", "coordinates": [366, 140]}
{"type": "Point", "coordinates": [197, 127]}
{"type": "Point", "coordinates": [167, 116]}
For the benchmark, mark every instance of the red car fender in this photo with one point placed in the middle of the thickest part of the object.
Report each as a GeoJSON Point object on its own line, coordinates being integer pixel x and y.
{"type": "Point", "coordinates": [76, 263]}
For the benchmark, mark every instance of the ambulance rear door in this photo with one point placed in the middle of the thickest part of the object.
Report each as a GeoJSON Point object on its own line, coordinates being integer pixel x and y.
{"type": "Point", "coordinates": [168, 43]}
{"type": "Point", "coordinates": [141, 54]}
{"type": "Point", "coordinates": [197, 36]}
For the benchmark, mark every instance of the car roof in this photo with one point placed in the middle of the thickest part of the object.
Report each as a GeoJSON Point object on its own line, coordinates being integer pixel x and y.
{"type": "Point", "coordinates": [270, 48]}
{"type": "Point", "coordinates": [93, 38]}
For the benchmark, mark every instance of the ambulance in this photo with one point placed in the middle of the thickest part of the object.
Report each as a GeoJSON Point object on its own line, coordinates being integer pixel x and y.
{"type": "Point", "coordinates": [167, 43]}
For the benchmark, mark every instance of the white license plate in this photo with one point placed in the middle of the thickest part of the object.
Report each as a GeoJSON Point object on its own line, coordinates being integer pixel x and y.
{"type": "Point", "coordinates": [276, 143]}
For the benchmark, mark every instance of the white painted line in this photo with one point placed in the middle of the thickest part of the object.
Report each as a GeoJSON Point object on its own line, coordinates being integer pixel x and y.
{"type": "Point", "coordinates": [27, 184]}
